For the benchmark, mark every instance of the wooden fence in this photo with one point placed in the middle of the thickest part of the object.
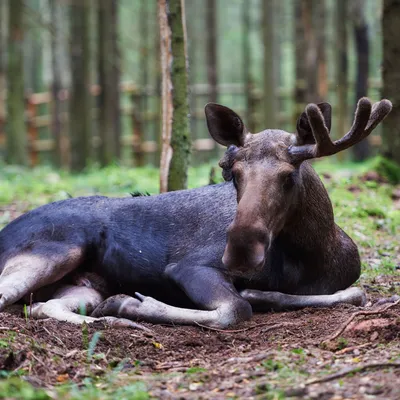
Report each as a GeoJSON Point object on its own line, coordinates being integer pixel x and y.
{"type": "Point", "coordinates": [136, 137]}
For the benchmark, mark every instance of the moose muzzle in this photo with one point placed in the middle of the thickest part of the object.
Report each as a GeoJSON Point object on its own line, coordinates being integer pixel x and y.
{"type": "Point", "coordinates": [245, 251]}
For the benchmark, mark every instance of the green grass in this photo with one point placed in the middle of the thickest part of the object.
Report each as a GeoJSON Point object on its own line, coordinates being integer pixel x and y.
{"type": "Point", "coordinates": [44, 184]}
{"type": "Point", "coordinates": [16, 388]}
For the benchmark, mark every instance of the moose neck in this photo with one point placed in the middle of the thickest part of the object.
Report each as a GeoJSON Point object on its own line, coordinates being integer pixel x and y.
{"type": "Point", "coordinates": [311, 225]}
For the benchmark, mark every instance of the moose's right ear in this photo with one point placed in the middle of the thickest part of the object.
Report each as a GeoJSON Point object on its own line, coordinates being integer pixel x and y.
{"type": "Point", "coordinates": [303, 128]}
{"type": "Point", "coordinates": [224, 125]}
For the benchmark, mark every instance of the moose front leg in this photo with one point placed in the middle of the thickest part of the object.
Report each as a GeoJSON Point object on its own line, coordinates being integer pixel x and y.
{"type": "Point", "coordinates": [221, 306]}
{"type": "Point", "coordinates": [267, 301]}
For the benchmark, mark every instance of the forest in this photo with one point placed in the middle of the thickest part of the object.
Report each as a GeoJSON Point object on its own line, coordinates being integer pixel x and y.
{"type": "Point", "coordinates": [107, 97]}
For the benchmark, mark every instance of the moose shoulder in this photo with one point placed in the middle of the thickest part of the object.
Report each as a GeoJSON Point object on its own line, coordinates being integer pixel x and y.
{"type": "Point", "coordinates": [265, 239]}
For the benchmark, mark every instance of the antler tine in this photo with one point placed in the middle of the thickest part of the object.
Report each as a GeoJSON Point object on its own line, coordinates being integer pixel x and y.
{"type": "Point", "coordinates": [320, 132]}
{"type": "Point", "coordinates": [367, 117]}
{"type": "Point", "coordinates": [323, 143]}
{"type": "Point", "coordinates": [357, 131]}
{"type": "Point", "coordinates": [379, 112]}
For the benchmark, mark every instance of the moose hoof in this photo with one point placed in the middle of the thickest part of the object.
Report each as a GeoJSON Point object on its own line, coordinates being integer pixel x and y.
{"type": "Point", "coordinates": [355, 296]}
{"type": "Point", "coordinates": [139, 307]}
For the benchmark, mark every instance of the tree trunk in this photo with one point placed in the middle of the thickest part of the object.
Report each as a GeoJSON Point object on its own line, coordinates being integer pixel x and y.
{"type": "Point", "coordinates": [175, 136]}
{"type": "Point", "coordinates": [341, 67]}
{"type": "Point", "coordinates": [3, 62]}
{"type": "Point", "coordinates": [270, 106]}
{"type": "Point", "coordinates": [80, 99]}
{"type": "Point", "coordinates": [33, 52]}
{"type": "Point", "coordinates": [322, 71]}
{"type": "Point", "coordinates": [16, 129]}
{"type": "Point", "coordinates": [109, 73]}
{"type": "Point", "coordinates": [247, 77]}
{"type": "Point", "coordinates": [391, 78]}
{"type": "Point", "coordinates": [362, 150]}
{"type": "Point", "coordinates": [56, 86]}
{"type": "Point", "coordinates": [212, 54]}
{"type": "Point", "coordinates": [300, 93]}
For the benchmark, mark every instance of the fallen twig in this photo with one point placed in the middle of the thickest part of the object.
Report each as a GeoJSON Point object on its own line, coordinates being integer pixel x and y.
{"type": "Point", "coordinates": [357, 314]}
{"type": "Point", "coordinates": [241, 360]}
{"type": "Point", "coordinates": [269, 328]}
{"type": "Point", "coordinates": [59, 340]}
{"type": "Point", "coordinates": [352, 348]}
{"type": "Point", "coordinates": [351, 370]}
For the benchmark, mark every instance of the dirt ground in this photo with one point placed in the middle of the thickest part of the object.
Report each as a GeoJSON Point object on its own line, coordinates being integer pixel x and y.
{"type": "Point", "coordinates": [275, 355]}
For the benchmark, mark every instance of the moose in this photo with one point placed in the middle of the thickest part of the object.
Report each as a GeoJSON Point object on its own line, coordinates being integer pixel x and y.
{"type": "Point", "coordinates": [263, 240]}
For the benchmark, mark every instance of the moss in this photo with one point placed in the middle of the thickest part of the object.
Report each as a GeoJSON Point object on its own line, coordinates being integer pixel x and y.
{"type": "Point", "coordinates": [388, 169]}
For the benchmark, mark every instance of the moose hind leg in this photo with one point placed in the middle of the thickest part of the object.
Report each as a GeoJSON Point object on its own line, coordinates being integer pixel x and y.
{"type": "Point", "coordinates": [267, 301]}
{"type": "Point", "coordinates": [28, 271]}
{"type": "Point", "coordinates": [69, 300]}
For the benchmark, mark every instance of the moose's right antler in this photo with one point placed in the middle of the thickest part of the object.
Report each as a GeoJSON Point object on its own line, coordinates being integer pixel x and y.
{"type": "Point", "coordinates": [367, 117]}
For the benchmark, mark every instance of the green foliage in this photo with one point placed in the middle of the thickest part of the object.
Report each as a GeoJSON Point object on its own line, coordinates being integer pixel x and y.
{"type": "Point", "coordinates": [85, 336]}
{"type": "Point", "coordinates": [15, 388]}
{"type": "Point", "coordinates": [92, 344]}
{"type": "Point", "coordinates": [195, 370]}
{"type": "Point", "coordinates": [43, 184]}
{"type": "Point", "coordinates": [388, 169]}
{"type": "Point", "coordinates": [26, 313]}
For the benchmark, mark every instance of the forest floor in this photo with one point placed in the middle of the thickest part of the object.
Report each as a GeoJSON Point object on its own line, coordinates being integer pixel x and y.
{"type": "Point", "coordinates": [273, 356]}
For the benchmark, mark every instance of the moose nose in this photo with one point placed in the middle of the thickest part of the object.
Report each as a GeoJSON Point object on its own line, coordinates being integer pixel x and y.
{"type": "Point", "coordinates": [245, 251]}
{"type": "Point", "coordinates": [245, 262]}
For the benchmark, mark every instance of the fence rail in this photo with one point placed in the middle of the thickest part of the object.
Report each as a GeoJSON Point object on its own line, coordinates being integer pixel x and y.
{"type": "Point", "coordinates": [136, 138]}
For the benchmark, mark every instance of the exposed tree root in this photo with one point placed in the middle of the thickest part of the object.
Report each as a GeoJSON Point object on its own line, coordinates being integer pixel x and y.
{"type": "Point", "coordinates": [352, 370]}
{"type": "Point", "coordinates": [357, 314]}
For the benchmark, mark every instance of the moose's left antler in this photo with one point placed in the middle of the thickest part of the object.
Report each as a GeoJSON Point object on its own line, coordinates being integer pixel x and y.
{"type": "Point", "coordinates": [367, 117]}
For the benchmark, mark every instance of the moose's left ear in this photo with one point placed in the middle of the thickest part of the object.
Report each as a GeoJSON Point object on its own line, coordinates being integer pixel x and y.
{"type": "Point", "coordinates": [303, 128]}
{"type": "Point", "coordinates": [224, 125]}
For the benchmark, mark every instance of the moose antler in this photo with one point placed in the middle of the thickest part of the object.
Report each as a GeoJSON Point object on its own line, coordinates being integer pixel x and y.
{"type": "Point", "coordinates": [367, 117]}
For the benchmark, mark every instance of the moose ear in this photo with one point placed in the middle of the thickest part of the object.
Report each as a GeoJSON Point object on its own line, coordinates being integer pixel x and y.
{"type": "Point", "coordinates": [224, 125]}
{"type": "Point", "coordinates": [303, 127]}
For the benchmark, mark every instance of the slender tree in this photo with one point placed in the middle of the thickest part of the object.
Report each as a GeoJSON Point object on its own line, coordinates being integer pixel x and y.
{"type": "Point", "coordinates": [3, 62]}
{"type": "Point", "coordinates": [175, 107]}
{"type": "Point", "coordinates": [322, 70]}
{"type": "Point", "coordinates": [33, 51]}
{"type": "Point", "coordinates": [391, 78]}
{"type": "Point", "coordinates": [361, 150]}
{"type": "Point", "coordinates": [80, 100]}
{"type": "Point", "coordinates": [56, 84]}
{"type": "Point", "coordinates": [247, 76]}
{"type": "Point", "coordinates": [300, 93]}
{"type": "Point", "coordinates": [270, 106]}
{"type": "Point", "coordinates": [16, 130]}
{"type": "Point", "coordinates": [109, 76]}
{"type": "Point", "coordinates": [341, 65]}
{"type": "Point", "coordinates": [212, 52]}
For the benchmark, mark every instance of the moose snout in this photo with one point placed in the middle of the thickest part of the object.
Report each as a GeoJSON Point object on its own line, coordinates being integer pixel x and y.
{"type": "Point", "coordinates": [245, 251]}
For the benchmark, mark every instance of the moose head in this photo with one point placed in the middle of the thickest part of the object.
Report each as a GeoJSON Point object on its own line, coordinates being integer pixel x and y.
{"type": "Point", "coordinates": [274, 183]}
